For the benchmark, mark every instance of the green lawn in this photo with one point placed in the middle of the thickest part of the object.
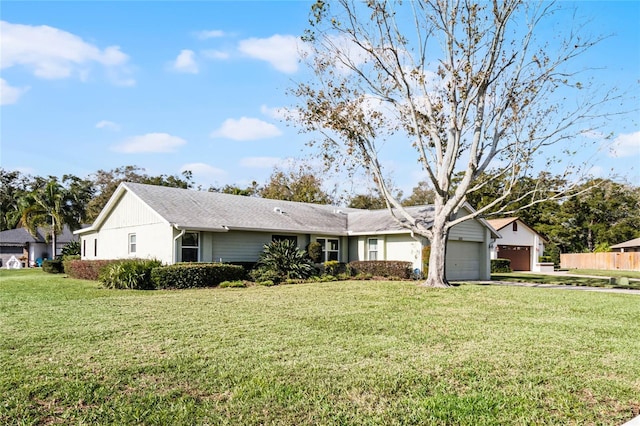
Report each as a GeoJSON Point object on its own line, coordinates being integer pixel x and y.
{"type": "Point", "coordinates": [598, 272]}
{"type": "Point", "coordinates": [373, 353]}
{"type": "Point", "coordinates": [528, 277]}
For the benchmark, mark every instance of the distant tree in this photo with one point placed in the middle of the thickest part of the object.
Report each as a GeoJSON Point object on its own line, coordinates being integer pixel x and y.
{"type": "Point", "coordinates": [106, 181]}
{"type": "Point", "coordinates": [250, 191]}
{"type": "Point", "coordinates": [367, 202]}
{"type": "Point", "coordinates": [54, 205]}
{"type": "Point", "coordinates": [296, 185]}
{"type": "Point", "coordinates": [470, 84]}
{"type": "Point", "coordinates": [421, 194]}
{"type": "Point", "coordinates": [14, 188]}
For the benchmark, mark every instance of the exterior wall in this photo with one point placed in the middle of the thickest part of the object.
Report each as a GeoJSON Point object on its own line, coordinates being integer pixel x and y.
{"type": "Point", "coordinates": [390, 247]}
{"type": "Point", "coordinates": [524, 236]}
{"type": "Point", "coordinates": [154, 237]}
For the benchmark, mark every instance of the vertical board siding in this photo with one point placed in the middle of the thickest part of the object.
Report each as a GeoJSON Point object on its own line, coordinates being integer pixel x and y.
{"type": "Point", "coordinates": [627, 261]}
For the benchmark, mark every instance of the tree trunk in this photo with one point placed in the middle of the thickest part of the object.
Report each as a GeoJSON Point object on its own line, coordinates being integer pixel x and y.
{"type": "Point", "coordinates": [436, 276]}
{"type": "Point", "coordinates": [53, 237]}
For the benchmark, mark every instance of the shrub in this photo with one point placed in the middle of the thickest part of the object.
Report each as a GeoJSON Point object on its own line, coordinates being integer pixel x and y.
{"type": "Point", "coordinates": [195, 275]}
{"type": "Point", "coordinates": [333, 267]}
{"type": "Point", "coordinates": [72, 248]}
{"type": "Point", "coordinates": [314, 249]}
{"type": "Point", "coordinates": [382, 268]}
{"type": "Point", "coordinates": [132, 274]}
{"type": "Point", "coordinates": [53, 266]}
{"type": "Point", "coordinates": [500, 265]}
{"type": "Point", "coordinates": [86, 269]}
{"type": "Point", "coordinates": [264, 274]}
{"type": "Point", "coordinates": [284, 260]}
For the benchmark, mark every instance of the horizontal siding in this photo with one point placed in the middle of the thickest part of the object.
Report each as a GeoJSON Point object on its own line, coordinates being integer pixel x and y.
{"type": "Point", "coordinates": [238, 246]}
{"type": "Point", "coordinates": [469, 230]}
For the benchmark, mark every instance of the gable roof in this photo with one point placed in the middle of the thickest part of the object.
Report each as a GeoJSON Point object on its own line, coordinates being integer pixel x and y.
{"type": "Point", "coordinates": [21, 236]}
{"type": "Point", "coordinates": [501, 223]}
{"type": "Point", "coordinates": [628, 244]}
{"type": "Point", "coordinates": [214, 211]}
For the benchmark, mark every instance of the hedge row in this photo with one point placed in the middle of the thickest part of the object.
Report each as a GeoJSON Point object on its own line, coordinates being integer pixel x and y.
{"type": "Point", "coordinates": [500, 265]}
{"type": "Point", "coordinates": [194, 275]}
{"type": "Point", "coordinates": [382, 268]}
{"type": "Point", "coordinates": [87, 269]}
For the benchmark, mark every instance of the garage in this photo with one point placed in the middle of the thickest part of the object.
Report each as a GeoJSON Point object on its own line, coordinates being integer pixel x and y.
{"type": "Point", "coordinates": [520, 256]}
{"type": "Point", "coordinates": [463, 260]}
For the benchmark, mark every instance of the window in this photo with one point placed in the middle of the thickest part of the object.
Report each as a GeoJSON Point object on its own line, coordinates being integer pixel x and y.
{"type": "Point", "coordinates": [330, 248]}
{"type": "Point", "coordinates": [84, 247]}
{"type": "Point", "coordinates": [292, 238]}
{"type": "Point", "coordinates": [190, 246]}
{"type": "Point", "coordinates": [95, 247]}
{"type": "Point", "coordinates": [132, 243]}
{"type": "Point", "coordinates": [373, 249]}
{"type": "Point", "coordinates": [515, 226]}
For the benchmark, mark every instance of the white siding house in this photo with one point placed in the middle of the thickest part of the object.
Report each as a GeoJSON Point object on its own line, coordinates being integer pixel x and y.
{"type": "Point", "coordinates": [178, 225]}
{"type": "Point", "coordinates": [519, 243]}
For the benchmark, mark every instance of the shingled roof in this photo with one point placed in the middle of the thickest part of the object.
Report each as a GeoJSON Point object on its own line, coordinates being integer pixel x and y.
{"type": "Point", "coordinates": [213, 211]}
{"type": "Point", "coordinates": [21, 236]}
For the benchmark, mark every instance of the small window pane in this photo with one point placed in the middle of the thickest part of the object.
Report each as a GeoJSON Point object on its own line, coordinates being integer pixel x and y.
{"type": "Point", "coordinates": [190, 239]}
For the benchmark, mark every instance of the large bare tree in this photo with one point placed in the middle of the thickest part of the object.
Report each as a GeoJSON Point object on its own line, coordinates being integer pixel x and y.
{"type": "Point", "coordinates": [466, 84]}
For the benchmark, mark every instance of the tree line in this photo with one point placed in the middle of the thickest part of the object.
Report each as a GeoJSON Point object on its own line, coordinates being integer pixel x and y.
{"type": "Point", "coordinates": [604, 213]}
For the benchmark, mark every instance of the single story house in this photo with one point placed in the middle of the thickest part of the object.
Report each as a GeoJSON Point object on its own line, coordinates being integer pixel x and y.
{"type": "Point", "coordinates": [180, 225]}
{"type": "Point", "coordinates": [627, 246]}
{"type": "Point", "coordinates": [24, 247]}
{"type": "Point", "coordinates": [518, 243]}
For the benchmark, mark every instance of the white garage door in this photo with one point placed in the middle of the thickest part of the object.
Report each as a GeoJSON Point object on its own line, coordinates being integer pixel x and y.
{"type": "Point", "coordinates": [463, 260]}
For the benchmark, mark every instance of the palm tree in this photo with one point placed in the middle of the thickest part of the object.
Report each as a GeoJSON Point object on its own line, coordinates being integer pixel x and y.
{"type": "Point", "coordinates": [47, 210]}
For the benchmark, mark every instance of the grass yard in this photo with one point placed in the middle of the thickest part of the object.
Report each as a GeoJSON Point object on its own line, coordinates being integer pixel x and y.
{"type": "Point", "coordinates": [528, 277]}
{"type": "Point", "coordinates": [606, 273]}
{"type": "Point", "coordinates": [372, 353]}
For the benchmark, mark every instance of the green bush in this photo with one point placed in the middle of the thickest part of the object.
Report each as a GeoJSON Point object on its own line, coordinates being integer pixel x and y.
{"type": "Point", "coordinates": [53, 266]}
{"type": "Point", "coordinates": [314, 249]}
{"type": "Point", "coordinates": [333, 267]}
{"type": "Point", "coordinates": [500, 265]}
{"type": "Point", "coordinates": [264, 274]}
{"type": "Point", "coordinates": [86, 269]}
{"type": "Point", "coordinates": [72, 248]}
{"type": "Point", "coordinates": [134, 274]}
{"type": "Point", "coordinates": [382, 268]}
{"type": "Point", "coordinates": [282, 259]}
{"type": "Point", "coordinates": [195, 275]}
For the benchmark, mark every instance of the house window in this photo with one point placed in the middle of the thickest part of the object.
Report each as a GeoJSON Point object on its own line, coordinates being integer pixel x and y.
{"type": "Point", "coordinates": [292, 238]}
{"type": "Point", "coordinates": [84, 247]}
{"type": "Point", "coordinates": [515, 226]}
{"type": "Point", "coordinates": [132, 243]}
{"type": "Point", "coordinates": [373, 249]}
{"type": "Point", "coordinates": [190, 247]}
{"type": "Point", "coordinates": [95, 247]}
{"type": "Point", "coordinates": [330, 248]}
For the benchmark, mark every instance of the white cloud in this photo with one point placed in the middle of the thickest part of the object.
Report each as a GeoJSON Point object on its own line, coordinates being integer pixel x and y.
{"type": "Point", "coordinates": [246, 129]}
{"type": "Point", "coordinates": [109, 125]}
{"type": "Point", "coordinates": [203, 170]}
{"type": "Point", "coordinates": [206, 34]}
{"type": "Point", "coordinates": [51, 53]}
{"type": "Point", "coordinates": [260, 162]}
{"type": "Point", "coordinates": [626, 145]}
{"type": "Point", "coordinates": [214, 54]}
{"type": "Point", "coordinates": [277, 112]}
{"type": "Point", "coordinates": [9, 94]}
{"type": "Point", "coordinates": [151, 142]}
{"type": "Point", "coordinates": [186, 62]}
{"type": "Point", "coordinates": [282, 52]}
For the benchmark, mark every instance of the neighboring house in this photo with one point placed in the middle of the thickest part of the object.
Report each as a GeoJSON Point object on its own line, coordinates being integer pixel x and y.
{"type": "Point", "coordinates": [179, 225]}
{"type": "Point", "coordinates": [519, 243]}
{"type": "Point", "coordinates": [627, 246]}
{"type": "Point", "coordinates": [26, 248]}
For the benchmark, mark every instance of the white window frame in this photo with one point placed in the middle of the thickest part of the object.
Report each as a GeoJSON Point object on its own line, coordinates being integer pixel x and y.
{"type": "Point", "coordinates": [132, 241]}
{"type": "Point", "coordinates": [325, 242]}
{"type": "Point", "coordinates": [197, 247]}
{"type": "Point", "coordinates": [373, 249]}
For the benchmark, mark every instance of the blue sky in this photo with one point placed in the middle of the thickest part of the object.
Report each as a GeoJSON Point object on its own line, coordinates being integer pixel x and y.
{"type": "Point", "coordinates": [170, 86]}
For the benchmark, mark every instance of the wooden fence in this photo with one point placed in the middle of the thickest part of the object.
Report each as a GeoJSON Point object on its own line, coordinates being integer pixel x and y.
{"type": "Point", "coordinates": [629, 261]}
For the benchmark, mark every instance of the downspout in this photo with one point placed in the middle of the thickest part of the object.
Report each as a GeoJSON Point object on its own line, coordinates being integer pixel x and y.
{"type": "Point", "coordinates": [175, 242]}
